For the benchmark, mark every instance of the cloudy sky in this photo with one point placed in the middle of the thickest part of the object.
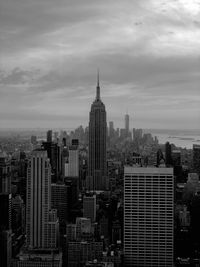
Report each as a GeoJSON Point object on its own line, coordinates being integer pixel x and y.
{"type": "Point", "coordinates": [148, 53]}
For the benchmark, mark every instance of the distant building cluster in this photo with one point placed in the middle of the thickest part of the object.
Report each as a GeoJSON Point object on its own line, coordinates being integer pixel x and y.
{"type": "Point", "coordinates": [100, 197]}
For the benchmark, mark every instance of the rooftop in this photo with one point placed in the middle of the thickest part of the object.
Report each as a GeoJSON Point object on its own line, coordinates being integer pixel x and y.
{"type": "Point", "coordinates": [147, 170]}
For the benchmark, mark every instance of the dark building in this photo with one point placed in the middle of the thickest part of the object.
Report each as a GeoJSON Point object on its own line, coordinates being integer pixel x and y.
{"type": "Point", "coordinates": [5, 248]}
{"type": "Point", "coordinates": [5, 230]}
{"type": "Point", "coordinates": [96, 179]}
{"type": "Point", "coordinates": [5, 173]}
{"type": "Point", "coordinates": [127, 124]}
{"type": "Point", "coordinates": [160, 157]}
{"type": "Point", "coordinates": [75, 142]}
{"type": "Point", "coordinates": [54, 154]}
{"type": "Point", "coordinates": [73, 190]}
{"type": "Point", "coordinates": [176, 157]}
{"type": "Point", "coordinates": [195, 220]}
{"type": "Point", "coordinates": [59, 200]}
{"type": "Point", "coordinates": [168, 154]}
{"type": "Point", "coordinates": [79, 252]}
{"type": "Point", "coordinates": [196, 158]}
{"type": "Point", "coordinates": [176, 162]}
{"type": "Point", "coordinates": [111, 129]}
{"type": "Point", "coordinates": [49, 136]}
{"type": "Point", "coordinates": [5, 208]}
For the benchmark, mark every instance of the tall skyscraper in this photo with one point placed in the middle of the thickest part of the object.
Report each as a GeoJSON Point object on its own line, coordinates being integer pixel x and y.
{"type": "Point", "coordinates": [39, 218]}
{"type": "Point", "coordinates": [96, 179]}
{"type": "Point", "coordinates": [73, 170]}
{"type": "Point", "coordinates": [42, 225]}
{"type": "Point", "coordinates": [127, 123]}
{"type": "Point", "coordinates": [148, 216]}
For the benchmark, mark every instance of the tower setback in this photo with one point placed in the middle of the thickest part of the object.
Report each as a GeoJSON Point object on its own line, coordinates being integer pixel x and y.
{"type": "Point", "coordinates": [97, 173]}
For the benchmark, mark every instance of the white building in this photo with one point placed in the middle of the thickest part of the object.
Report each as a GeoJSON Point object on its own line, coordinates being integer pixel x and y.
{"type": "Point", "coordinates": [148, 216]}
{"type": "Point", "coordinates": [73, 166]}
{"type": "Point", "coordinates": [39, 218]}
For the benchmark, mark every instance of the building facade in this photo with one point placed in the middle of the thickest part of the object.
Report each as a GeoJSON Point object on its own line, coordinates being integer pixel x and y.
{"type": "Point", "coordinates": [196, 158]}
{"type": "Point", "coordinates": [89, 207]}
{"type": "Point", "coordinates": [38, 221]}
{"type": "Point", "coordinates": [5, 230]}
{"type": "Point", "coordinates": [59, 200]}
{"type": "Point", "coordinates": [5, 173]}
{"type": "Point", "coordinates": [73, 167]}
{"type": "Point", "coordinates": [148, 217]}
{"type": "Point", "coordinates": [96, 179]}
{"type": "Point", "coordinates": [127, 124]}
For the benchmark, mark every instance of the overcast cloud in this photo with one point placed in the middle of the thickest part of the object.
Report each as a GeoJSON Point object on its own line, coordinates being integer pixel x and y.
{"type": "Point", "coordinates": [148, 53]}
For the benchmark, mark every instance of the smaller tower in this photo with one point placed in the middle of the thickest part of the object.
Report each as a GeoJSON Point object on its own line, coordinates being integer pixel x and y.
{"type": "Point", "coordinates": [127, 125]}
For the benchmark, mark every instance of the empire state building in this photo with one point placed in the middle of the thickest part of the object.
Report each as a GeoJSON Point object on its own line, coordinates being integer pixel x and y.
{"type": "Point", "coordinates": [97, 174]}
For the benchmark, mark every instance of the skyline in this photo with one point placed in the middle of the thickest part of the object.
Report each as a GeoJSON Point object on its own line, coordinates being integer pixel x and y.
{"type": "Point", "coordinates": [147, 53]}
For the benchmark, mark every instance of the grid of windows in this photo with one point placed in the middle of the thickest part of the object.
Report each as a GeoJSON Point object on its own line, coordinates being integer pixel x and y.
{"type": "Point", "coordinates": [148, 216]}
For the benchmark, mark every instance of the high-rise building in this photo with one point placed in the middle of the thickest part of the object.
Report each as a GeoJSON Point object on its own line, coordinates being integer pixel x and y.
{"type": "Point", "coordinates": [5, 209]}
{"type": "Point", "coordinates": [38, 221]}
{"type": "Point", "coordinates": [111, 129]}
{"type": "Point", "coordinates": [127, 123]}
{"type": "Point", "coordinates": [5, 247]}
{"type": "Point", "coordinates": [73, 167]}
{"type": "Point", "coordinates": [168, 154]}
{"type": "Point", "coordinates": [54, 154]}
{"type": "Point", "coordinates": [176, 157]}
{"type": "Point", "coordinates": [59, 200]}
{"type": "Point", "coordinates": [49, 136]}
{"type": "Point", "coordinates": [5, 230]}
{"type": "Point", "coordinates": [83, 228]}
{"type": "Point", "coordinates": [195, 220]}
{"type": "Point", "coordinates": [5, 173]}
{"type": "Point", "coordinates": [89, 207]}
{"type": "Point", "coordinates": [42, 227]}
{"type": "Point", "coordinates": [196, 158]}
{"type": "Point", "coordinates": [96, 179]}
{"type": "Point", "coordinates": [148, 216]}
{"type": "Point", "coordinates": [18, 215]}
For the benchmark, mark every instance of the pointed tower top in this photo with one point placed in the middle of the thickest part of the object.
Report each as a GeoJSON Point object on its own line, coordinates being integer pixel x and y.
{"type": "Point", "coordinates": [98, 87]}
{"type": "Point", "coordinates": [98, 77]}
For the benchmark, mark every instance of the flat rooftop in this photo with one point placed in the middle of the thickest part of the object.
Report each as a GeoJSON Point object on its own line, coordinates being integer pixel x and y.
{"type": "Point", "coordinates": [147, 170]}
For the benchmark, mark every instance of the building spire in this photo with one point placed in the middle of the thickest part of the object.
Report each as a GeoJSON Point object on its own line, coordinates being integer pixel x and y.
{"type": "Point", "coordinates": [98, 87]}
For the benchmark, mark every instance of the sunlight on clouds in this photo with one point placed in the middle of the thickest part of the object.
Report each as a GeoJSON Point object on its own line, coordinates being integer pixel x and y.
{"type": "Point", "coordinates": [189, 7]}
{"type": "Point", "coordinates": [192, 7]}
